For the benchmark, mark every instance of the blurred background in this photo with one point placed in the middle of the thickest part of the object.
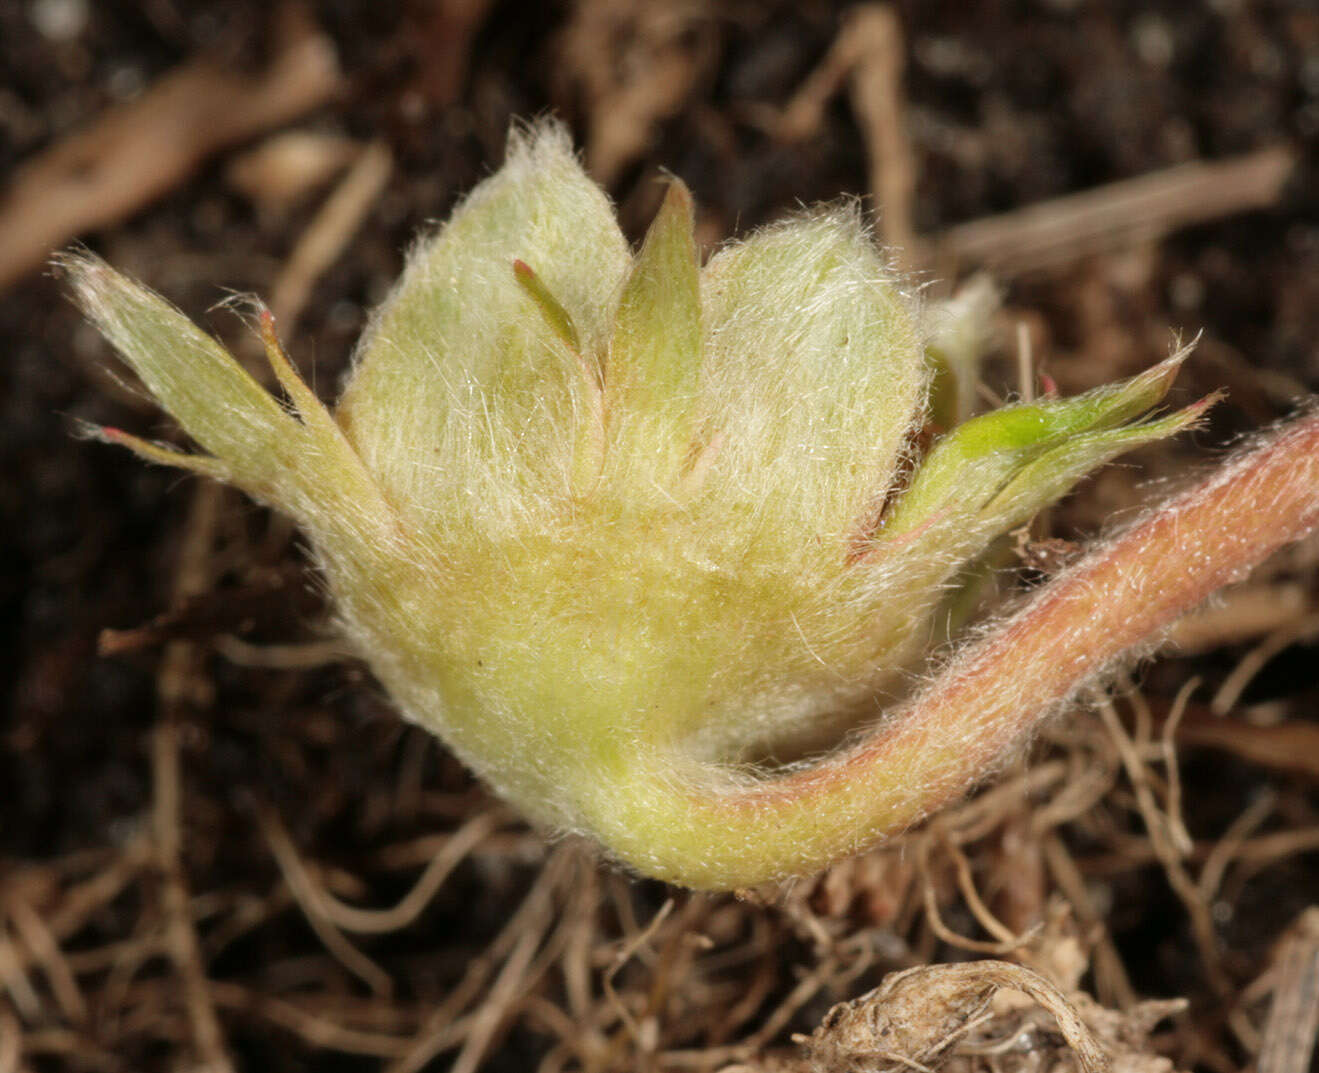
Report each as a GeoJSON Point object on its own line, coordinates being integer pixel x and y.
{"type": "Point", "coordinates": [219, 849]}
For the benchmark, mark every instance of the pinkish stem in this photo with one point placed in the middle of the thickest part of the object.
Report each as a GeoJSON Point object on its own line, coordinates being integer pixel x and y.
{"type": "Point", "coordinates": [720, 834]}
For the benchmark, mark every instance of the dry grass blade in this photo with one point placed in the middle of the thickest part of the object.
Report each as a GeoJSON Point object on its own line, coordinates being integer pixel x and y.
{"type": "Point", "coordinates": [320, 245]}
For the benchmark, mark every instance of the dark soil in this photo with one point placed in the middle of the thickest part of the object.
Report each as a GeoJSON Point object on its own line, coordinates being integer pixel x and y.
{"type": "Point", "coordinates": [1008, 104]}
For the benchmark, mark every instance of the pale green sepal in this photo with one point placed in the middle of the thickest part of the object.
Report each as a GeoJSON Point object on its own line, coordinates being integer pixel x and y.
{"type": "Point", "coordinates": [1052, 475]}
{"type": "Point", "coordinates": [159, 453]}
{"type": "Point", "coordinates": [814, 376]}
{"type": "Point", "coordinates": [654, 358]}
{"type": "Point", "coordinates": [460, 395]}
{"type": "Point", "coordinates": [982, 459]}
{"type": "Point", "coordinates": [218, 403]}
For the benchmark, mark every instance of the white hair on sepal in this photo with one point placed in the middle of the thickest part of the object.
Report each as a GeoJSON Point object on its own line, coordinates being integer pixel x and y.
{"type": "Point", "coordinates": [454, 307]}
{"type": "Point", "coordinates": [639, 539]}
{"type": "Point", "coordinates": [811, 370]}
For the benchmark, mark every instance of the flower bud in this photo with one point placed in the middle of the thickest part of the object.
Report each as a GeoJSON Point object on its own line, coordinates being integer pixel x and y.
{"type": "Point", "coordinates": [623, 530]}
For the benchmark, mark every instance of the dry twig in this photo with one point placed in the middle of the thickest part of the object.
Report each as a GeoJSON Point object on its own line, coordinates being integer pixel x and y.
{"type": "Point", "coordinates": [869, 55]}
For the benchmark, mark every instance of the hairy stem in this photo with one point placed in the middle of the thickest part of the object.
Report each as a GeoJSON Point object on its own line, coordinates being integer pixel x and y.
{"type": "Point", "coordinates": [712, 829]}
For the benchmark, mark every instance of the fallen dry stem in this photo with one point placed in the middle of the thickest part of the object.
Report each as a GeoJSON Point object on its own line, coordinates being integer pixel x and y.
{"type": "Point", "coordinates": [917, 1014]}
{"type": "Point", "coordinates": [1120, 214]}
{"type": "Point", "coordinates": [45, 951]}
{"type": "Point", "coordinates": [629, 91]}
{"type": "Point", "coordinates": [139, 151]}
{"type": "Point", "coordinates": [1113, 602]}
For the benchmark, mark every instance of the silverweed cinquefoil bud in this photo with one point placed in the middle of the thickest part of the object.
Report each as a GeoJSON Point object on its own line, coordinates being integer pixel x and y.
{"type": "Point", "coordinates": [634, 536]}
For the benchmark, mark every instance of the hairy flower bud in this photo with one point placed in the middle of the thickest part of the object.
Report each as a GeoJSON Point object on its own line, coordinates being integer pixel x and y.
{"type": "Point", "coordinates": [627, 532]}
